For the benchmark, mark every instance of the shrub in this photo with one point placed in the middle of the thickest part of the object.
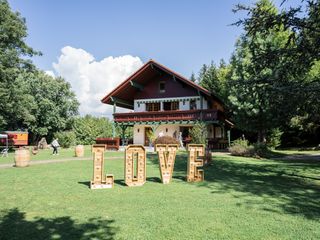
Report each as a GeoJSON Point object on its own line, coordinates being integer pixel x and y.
{"type": "Point", "coordinates": [166, 140]}
{"type": "Point", "coordinates": [66, 139]}
{"type": "Point", "coordinates": [241, 147]}
{"type": "Point", "coordinates": [261, 150]}
{"type": "Point", "coordinates": [274, 138]}
{"type": "Point", "coordinates": [199, 133]}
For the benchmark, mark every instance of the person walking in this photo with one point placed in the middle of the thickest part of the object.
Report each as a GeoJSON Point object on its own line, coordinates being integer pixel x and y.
{"type": "Point", "coordinates": [55, 145]}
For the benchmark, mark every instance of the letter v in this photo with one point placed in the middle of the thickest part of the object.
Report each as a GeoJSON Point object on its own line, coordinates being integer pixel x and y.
{"type": "Point", "coordinates": [167, 156]}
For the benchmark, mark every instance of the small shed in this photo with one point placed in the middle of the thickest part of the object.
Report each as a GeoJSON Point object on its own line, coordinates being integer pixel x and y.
{"type": "Point", "coordinates": [17, 138]}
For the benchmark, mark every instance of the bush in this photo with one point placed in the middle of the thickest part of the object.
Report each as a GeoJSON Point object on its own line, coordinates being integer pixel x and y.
{"type": "Point", "coordinates": [241, 147]}
{"type": "Point", "coordinates": [274, 138]}
{"type": "Point", "coordinates": [199, 133]}
{"type": "Point", "coordinates": [66, 139]}
{"type": "Point", "coordinates": [166, 140]}
{"type": "Point", "coordinates": [260, 150]}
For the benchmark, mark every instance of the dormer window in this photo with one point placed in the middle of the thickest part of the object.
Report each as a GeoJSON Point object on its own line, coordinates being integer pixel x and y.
{"type": "Point", "coordinates": [162, 87]}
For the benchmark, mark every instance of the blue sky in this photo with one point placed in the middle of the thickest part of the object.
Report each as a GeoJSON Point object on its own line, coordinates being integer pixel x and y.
{"type": "Point", "coordinates": [182, 35]}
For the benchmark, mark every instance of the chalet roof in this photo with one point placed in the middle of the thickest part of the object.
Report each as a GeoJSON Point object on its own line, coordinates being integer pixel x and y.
{"type": "Point", "coordinates": [123, 94]}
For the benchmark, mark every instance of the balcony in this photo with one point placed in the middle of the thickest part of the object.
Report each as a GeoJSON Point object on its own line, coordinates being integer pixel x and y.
{"type": "Point", "coordinates": [168, 116]}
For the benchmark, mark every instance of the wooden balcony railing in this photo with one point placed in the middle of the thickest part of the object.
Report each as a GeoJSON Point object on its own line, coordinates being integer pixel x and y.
{"type": "Point", "coordinates": [189, 115]}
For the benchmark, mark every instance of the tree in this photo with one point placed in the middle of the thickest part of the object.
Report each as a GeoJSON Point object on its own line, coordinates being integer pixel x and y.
{"type": "Point", "coordinates": [15, 107]}
{"type": "Point", "coordinates": [193, 77]}
{"type": "Point", "coordinates": [215, 79]}
{"type": "Point", "coordinates": [88, 128]}
{"type": "Point", "coordinates": [299, 56]}
{"type": "Point", "coordinates": [202, 72]}
{"type": "Point", "coordinates": [199, 133]}
{"type": "Point", "coordinates": [54, 104]}
{"type": "Point", "coordinates": [261, 87]}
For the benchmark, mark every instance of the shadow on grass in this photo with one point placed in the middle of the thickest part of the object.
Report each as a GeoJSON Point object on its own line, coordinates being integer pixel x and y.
{"type": "Point", "coordinates": [120, 182]}
{"type": "Point", "coordinates": [153, 179]}
{"type": "Point", "coordinates": [292, 193]}
{"type": "Point", "coordinates": [275, 181]}
{"type": "Point", "coordinates": [86, 183]}
{"type": "Point", "coordinates": [14, 225]}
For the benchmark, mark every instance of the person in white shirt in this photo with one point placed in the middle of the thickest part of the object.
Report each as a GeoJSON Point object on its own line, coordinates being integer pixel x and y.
{"type": "Point", "coordinates": [55, 146]}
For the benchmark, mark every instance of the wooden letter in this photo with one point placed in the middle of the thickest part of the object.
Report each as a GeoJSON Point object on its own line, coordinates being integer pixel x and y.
{"type": "Point", "coordinates": [135, 165]}
{"type": "Point", "coordinates": [167, 156]}
{"type": "Point", "coordinates": [195, 160]}
{"type": "Point", "coordinates": [99, 179]}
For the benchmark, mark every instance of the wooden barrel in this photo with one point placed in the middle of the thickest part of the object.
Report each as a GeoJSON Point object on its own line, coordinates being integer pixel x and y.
{"type": "Point", "coordinates": [22, 157]}
{"type": "Point", "coordinates": [79, 151]}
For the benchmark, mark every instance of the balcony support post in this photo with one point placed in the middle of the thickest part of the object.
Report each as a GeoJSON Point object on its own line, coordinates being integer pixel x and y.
{"type": "Point", "coordinates": [114, 123]}
{"type": "Point", "coordinates": [201, 105]}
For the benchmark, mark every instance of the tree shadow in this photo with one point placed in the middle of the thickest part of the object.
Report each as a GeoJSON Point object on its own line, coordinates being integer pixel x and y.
{"type": "Point", "coordinates": [292, 193]}
{"type": "Point", "coordinates": [14, 225]}
{"type": "Point", "coordinates": [286, 184]}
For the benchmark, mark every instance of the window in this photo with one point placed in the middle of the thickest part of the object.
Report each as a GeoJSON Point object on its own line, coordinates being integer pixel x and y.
{"type": "Point", "coordinates": [162, 87]}
{"type": "Point", "coordinates": [193, 104]}
{"type": "Point", "coordinates": [171, 106]}
{"type": "Point", "coordinates": [151, 107]}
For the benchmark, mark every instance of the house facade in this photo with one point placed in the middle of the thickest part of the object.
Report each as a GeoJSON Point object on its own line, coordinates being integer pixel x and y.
{"type": "Point", "coordinates": [163, 102]}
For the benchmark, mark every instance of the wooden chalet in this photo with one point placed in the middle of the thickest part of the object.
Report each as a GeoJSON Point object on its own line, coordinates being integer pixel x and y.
{"type": "Point", "coordinates": [165, 103]}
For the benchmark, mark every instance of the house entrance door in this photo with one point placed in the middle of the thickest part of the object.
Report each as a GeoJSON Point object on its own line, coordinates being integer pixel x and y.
{"type": "Point", "coordinates": [185, 135]}
{"type": "Point", "coordinates": [147, 133]}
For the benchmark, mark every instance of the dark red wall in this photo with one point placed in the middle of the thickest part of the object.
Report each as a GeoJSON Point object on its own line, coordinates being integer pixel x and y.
{"type": "Point", "coordinates": [172, 89]}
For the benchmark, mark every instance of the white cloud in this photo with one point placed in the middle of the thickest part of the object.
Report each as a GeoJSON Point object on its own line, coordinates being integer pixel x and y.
{"type": "Point", "coordinates": [92, 80]}
{"type": "Point", "coordinates": [50, 73]}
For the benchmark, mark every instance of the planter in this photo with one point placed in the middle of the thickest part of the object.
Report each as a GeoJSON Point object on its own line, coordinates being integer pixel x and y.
{"type": "Point", "coordinates": [79, 151]}
{"type": "Point", "coordinates": [22, 158]}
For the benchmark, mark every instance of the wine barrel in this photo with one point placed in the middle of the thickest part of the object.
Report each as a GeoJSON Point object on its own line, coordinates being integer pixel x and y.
{"type": "Point", "coordinates": [79, 151]}
{"type": "Point", "coordinates": [22, 157]}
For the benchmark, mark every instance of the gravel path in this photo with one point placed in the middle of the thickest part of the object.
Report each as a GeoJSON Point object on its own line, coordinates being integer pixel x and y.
{"type": "Point", "coordinates": [9, 165]}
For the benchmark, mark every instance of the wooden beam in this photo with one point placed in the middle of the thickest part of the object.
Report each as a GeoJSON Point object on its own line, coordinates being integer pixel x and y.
{"type": "Point", "coordinates": [121, 101]}
{"type": "Point", "coordinates": [174, 78]}
{"type": "Point", "coordinates": [137, 85]}
{"type": "Point", "coordinates": [156, 69]}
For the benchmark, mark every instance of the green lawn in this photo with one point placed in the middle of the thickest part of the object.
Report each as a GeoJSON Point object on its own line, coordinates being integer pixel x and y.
{"type": "Point", "coordinates": [242, 198]}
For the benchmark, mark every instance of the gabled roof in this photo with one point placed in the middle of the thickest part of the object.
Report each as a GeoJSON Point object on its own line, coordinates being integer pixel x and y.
{"type": "Point", "coordinates": [122, 93]}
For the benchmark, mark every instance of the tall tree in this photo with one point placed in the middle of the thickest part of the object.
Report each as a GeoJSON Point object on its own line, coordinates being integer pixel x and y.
{"type": "Point", "coordinates": [261, 85]}
{"type": "Point", "coordinates": [193, 77]}
{"type": "Point", "coordinates": [54, 104]}
{"type": "Point", "coordinates": [15, 107]}
{"type": "Point", "coordinates": [299, 56]}
{"type": "Point", "coordinates": [215, 79]}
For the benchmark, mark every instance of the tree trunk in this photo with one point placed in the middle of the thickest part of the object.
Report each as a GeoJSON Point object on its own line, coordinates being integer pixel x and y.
{"type": "Point", "coordinates": [262, 136]}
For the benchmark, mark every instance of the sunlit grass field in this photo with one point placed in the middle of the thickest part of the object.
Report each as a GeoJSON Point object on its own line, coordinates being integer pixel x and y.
{"type": "Point", "coordinates": [241, 198]}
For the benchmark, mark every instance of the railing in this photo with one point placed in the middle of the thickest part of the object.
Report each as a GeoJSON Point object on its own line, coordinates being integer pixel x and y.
{"type": "Point", "coordinates": [189, 115]}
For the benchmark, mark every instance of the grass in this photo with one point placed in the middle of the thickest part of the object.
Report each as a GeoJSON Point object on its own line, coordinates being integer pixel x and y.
{"type": "Point", "coordinates": [242, 198]}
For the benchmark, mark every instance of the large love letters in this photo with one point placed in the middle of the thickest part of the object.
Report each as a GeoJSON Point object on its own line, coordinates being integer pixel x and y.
{"type": "Point", "coordinates": [167, 156]}
{"type": "Point", "coordinates": [135, 165]}
{"type": "Point", "coordinates": [195, 160]}
{"type": "Point", "coordinates": [99, 179]}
